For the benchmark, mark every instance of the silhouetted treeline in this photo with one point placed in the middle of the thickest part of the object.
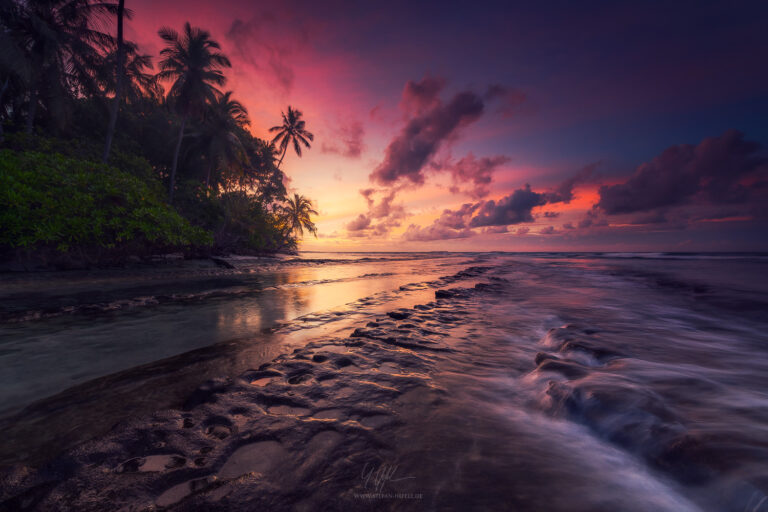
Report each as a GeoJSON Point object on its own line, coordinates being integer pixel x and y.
{"type": "Point", "coordinates": [86, 113]}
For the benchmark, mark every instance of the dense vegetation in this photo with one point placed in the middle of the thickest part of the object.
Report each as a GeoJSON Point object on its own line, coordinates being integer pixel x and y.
{"type": "Point", "coordinates": [101, 158]}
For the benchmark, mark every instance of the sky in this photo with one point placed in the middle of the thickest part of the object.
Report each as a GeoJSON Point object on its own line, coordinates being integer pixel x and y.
{"type": "Point", "coordinates": [468, 126]}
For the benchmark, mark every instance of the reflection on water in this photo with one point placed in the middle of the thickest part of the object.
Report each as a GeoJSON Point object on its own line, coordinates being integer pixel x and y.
{"type": "Point", "coordinates": [41, 358]}
{"type": "Point", "coordinates": [151, 354]}
{"type": "Point", "coordinates": [579, 382]}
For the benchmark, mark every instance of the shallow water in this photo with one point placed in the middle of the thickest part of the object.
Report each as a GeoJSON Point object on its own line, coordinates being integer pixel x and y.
{"type": "Point", "coordinates": [577, 382]}
{"type": "Point", "coordinates": [63, 331]}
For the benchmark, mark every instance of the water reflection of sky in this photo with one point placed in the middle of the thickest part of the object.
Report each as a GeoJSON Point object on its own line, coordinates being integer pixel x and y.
{"type": "Point", "coordinates": [44, 357]}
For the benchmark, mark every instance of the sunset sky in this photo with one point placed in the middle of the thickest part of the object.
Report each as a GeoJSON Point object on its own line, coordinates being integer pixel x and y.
{"type": "Point", "coordinates": [482, 126]}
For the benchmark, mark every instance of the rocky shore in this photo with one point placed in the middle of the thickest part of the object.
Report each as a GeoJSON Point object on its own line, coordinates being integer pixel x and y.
{"type": "Point", "coordinates": [293, 433]}
{"type": "Point", "coordinates": [514, 385]}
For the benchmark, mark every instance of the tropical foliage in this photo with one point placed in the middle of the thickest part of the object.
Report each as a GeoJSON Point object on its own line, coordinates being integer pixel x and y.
{"type": "Point", "coordinates": [193, 62]}
{"type": "Point", "coordinates": [74, 94]}
{"type": "Point", "coordinates": [50, 203]}
{"type": "Point", "coordinates": [292, 131]}
{"type": "Point", "coordinates": [298, 212]}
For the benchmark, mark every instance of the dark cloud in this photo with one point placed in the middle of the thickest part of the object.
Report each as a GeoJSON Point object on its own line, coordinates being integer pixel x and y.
{"type": "Point", "coordinates": [450, 224]}
{"type": "Point", "coordinates": [510, 101]}
{"type": "Point", "coordinates": [549, 230]}
{"type": "Point", "coordinates": [512, 209]}
{"type": "Point", "coordinates": [710, 172]}
{"type": "Point", "coordinates": [347, 141]}
{"type": "Point", "coordinates": [493, 216]}
{"type": "Point", "coordinates": [458, 219]}
{"type": "Point", "coordinates": [476, 173]}
{"type": "Point", "coordinates": [593, 218]}
{"type": "Point", "coordinates": [551, 215]}
{"type": "Point", "coordinates": [563, 193]}
{"type": "Point", "coordinates": [360, 223]}
{"type": "Point", "coordinates": [433, 123]}
{"type": "Point", "coordinates": [522, 230]}
{"type": "Point", "coordinates": [418, 97]}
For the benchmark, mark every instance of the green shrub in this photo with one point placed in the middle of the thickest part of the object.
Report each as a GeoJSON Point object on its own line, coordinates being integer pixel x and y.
{"type": "Point", "coordinates": [51, 202]}
{"type": "Point", "coordinates": [84, 149]}
{"type": "Point", "coordinates": [245, 227]}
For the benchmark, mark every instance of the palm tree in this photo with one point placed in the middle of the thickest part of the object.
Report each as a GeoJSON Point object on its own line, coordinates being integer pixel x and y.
{"type": "Point", "coordinates": [224, 121]}
{"type": "Point", "coordinates": [291, 131]}
{"type": "Point", "coordinates": [59, 46]}
{"type": "Point", "coordinates": [14, 67]}
{"type": "Point", "coordinates": [138, 82]}
{"type": "Point", "coordinates": [297, 213]}
{"type": "Point", "coordinates": [119, 72]}
{"type": "Point", "coordinates": [194, 63]}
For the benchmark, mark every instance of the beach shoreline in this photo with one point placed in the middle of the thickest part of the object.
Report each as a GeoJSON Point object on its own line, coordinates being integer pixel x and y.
{"type": "Point", "coordinates": [474, 390]}
{"type": "Point", "coordinates": [313, 387]}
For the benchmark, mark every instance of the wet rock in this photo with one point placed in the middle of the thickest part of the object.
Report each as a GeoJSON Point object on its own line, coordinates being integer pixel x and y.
{"type": "Point", "coordinates": [399, 315]}
{"type": "Point", "coordinates": [591, 347]}
{"type": "Point", "coordinates": [151, 464]}
{"type": "Point", "coordinates": [287, 410]}
{"type": "Point", "coordinates": [298, 379]}
{"type": "Point", "coordinates": [218, 431]}
{"type": "Point", "coordinates": [566, 368]}
{"type": "Point", "coordinates": [222, 262]}
{"type": "Point", "coordinates": [416, 343]}
{"type": "Point", "coordinates": [251, 375]}
{"type": "Point", "coordinates": [452, 293]}
{"type": "Point", "coordinates": [180, 491]}
{"type": "Point", "coordinates": [446, 319]}
{"type": "Point", "coordinates": [541, 356]}
{"type": "Point", "coordinates": [342, 362]}
{"type": "Point", "coordinates": [688, 458]}
{"type": "Point", "coordinates": [489, 287]}
{"type": "Point", "coordinates": [257, 457]}
{"type": "Point", "coordinates": [207, 393]}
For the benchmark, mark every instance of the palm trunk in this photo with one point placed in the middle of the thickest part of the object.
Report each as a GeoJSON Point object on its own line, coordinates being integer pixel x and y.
{"type": "Point", "coordinates": [2, 94]}
{"type": "Point", "coordinates": [119, 81]}
{"type": "Point", "coordinates": [208, 177]}
{"type": "Point", "coordinates": [32, 108]}
{"type": "Point", "coordinates": [172, 185]}
{"type": "Point", "coordinates": [285, 150]}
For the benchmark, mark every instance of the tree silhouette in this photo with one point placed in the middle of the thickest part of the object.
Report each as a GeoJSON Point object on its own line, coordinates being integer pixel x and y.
{"type": "Point", "coordinates": [119, 72]}
{"type": "Point", "coordinates": [194, 62]}
{"type": "Point", "coordinates": [291, 131]}
{"type": "Point", "coordinates": [298, 211]}
{"type": "Point", "coordinates": [223, 121]}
